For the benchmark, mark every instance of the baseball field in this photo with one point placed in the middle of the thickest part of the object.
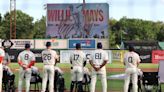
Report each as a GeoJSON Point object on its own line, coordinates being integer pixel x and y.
{"type": "Point", "coordinates": [112, 69]}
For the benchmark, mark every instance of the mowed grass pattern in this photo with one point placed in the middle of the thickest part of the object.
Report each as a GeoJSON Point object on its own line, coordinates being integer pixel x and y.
{"type": "Point", "coordinates": [113, 85]}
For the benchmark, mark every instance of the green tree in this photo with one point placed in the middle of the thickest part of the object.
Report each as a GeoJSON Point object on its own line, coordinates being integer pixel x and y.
{"type": "Point", "coordinates": [160, 35]}
{"type": "Point", "coordinates": [112, 43]}
{"type": "Point", "coordinates": [2, 32]}
{"type": "Point", "coordinates": [40, 28]}
{"type": "Point", "coordinates": [24, 25]}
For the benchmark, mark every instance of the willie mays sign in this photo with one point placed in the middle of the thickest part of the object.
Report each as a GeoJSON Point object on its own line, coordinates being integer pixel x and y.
{"type": "Point", "coordinates": [88, 20]}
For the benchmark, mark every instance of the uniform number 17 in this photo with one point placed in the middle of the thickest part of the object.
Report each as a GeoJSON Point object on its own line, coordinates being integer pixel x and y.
{"type": "Point", "coordinates": [76, 56]}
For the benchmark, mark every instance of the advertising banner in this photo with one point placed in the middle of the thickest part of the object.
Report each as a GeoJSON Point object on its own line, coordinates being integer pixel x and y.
{"type": "Point", "coordinates": [77, 20]}
{"type": "Point", "coordinates": [117, 55]}
{"type": "Point", "coordinates": [85, 44]}
{"type": "Point", "coordinates": [145, 55]}
{"type": "Point", "coordinates": [18, 43]}
{"type": "Point", "coordinates": [55, 43]}
{"type": "Point", "coordinates": [65, 55]}
{"type": "Point", "coordinates": [157, 55]}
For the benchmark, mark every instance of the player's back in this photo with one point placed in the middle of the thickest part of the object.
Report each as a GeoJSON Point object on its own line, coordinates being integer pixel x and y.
{"type": "Point", "coordinates": [98, 57]}
{"type": "Point", "coordinates": [49, 56]}
{"type": "Point", "coordinates": [77, 58]}
{"type": "Point", "coordinates": [131, 59]}
{"type": "Point", "coordinates": [26, 56]}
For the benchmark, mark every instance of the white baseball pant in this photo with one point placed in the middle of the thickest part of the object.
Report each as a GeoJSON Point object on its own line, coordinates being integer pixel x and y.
{"type": "Point", "coordinates": [27, 75]}
{"type": "Point", "coordinates": [131, 73]}
{"type": "Point", "coordinates": [48, 74]}
{"type": "Point", "coordinates": [102, 74]}
{"type": "Point", "coordinates": [1, 74]}
{"type": "Point", "coordinates": [77, 73]}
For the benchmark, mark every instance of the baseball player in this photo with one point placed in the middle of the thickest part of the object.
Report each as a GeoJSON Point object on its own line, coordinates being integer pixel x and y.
{"type": "Point", "coordinates": [49, 58]}
{"type": "Point", "coordinates": [131, 61]}
{"type": "Point", "coordinates": [98, 60]}
{"type": "Point", "coordinates": [5, 64]}
{"type": "Point", "coordinates": [26, 59]}
{"type": "Point", "coordinates": [77, 59]}
{"type": "Point", "coordinates": [2, 55]}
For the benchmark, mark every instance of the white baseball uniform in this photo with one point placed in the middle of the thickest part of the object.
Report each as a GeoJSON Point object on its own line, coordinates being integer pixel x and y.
{"type": "Point", "coordinates": [98, 57]}
{"type": "Point", "coordinates": [130, 60]}
{"type": "Point", "coordinates": [25, 57]}
{"type": "Point", "coordinates": [49, 58]}
{"type": "Point", "coordinates": [77, 58]}
{"type": "Point", "coordinates": [2, 55]}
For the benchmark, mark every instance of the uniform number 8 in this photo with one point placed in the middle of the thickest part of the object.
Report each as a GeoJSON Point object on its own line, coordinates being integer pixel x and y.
{"type": "Point", "coordinates": [26, 57]}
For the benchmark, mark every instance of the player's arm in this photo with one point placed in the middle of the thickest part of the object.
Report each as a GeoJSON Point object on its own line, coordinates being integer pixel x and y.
{"type": "Point", "coordinates": [56, 58]}
{"type": "Point", "coordinates": [138, 61]}
{"type": "Point", "coordinates": [32, 62]}
{"type": "Point", "coordinates": [105, 59]}
{"type": "Point", "coordinates": [124, 59]}
{"type": "Point", "coordinates": [85, 60]}
{"type": "Point", "coordinates": [70, 59]}
{"type": "Point", "coordinates": [103, 64]}
{"type": "Point", "coordinates": [24, 66]}
{"type": "Point", "coordinates": [91, 63]}
{"type": "Point", "coordinates": [20, 61]}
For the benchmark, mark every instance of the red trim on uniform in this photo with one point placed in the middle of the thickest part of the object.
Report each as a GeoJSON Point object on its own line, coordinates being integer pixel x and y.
{"type": "Point", "coordinates": [31, 64]}
{"type": "Point", "coordinates": [1, 59]}
{"type": "Point", "coordinates": [20, 63]}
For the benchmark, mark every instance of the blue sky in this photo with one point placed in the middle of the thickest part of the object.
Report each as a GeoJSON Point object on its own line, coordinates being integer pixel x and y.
{"type": "Point", "coordinates": [142, 9]}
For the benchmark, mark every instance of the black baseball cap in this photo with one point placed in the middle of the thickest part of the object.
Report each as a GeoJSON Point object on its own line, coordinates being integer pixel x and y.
{"type": "Point", "coordinates": [99, 45]}
{"type": "Point", "coordinates": [131, 47]}
{"type": "Point", "coordinates": [27, 45]}
{"type": "Point", "coordinates": [78, 45]}
{"type": "Point", "coordinates": [48, 44]}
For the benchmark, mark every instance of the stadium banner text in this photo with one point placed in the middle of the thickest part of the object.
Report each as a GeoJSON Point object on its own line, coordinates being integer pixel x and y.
{"type": "Point", "coordinates": [18, 43]}
{"type": "Point", "coordinates": [65, 55]}
{"type": "Point", "coordinates": [77, 20]}
{"type": "Point", "coordinates": [85, 43]}
{"type": "Point", "coordinates": [55, 43]}
{"type": "Point", "coordinates": [157, 55]}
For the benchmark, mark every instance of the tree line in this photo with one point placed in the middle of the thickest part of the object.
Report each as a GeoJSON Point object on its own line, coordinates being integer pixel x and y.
{"type": "Point", "coordinates": [124, 29]}
{"type": "Point", "coordinates": [135, 29]}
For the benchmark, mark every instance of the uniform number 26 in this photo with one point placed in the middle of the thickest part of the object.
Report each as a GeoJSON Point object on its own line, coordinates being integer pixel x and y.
{"type": "Point", "coordinates": [47, 56]}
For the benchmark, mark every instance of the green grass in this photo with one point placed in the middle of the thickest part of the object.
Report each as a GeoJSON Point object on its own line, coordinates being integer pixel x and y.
{"type": "Point", "coordinates": [113, 85]}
